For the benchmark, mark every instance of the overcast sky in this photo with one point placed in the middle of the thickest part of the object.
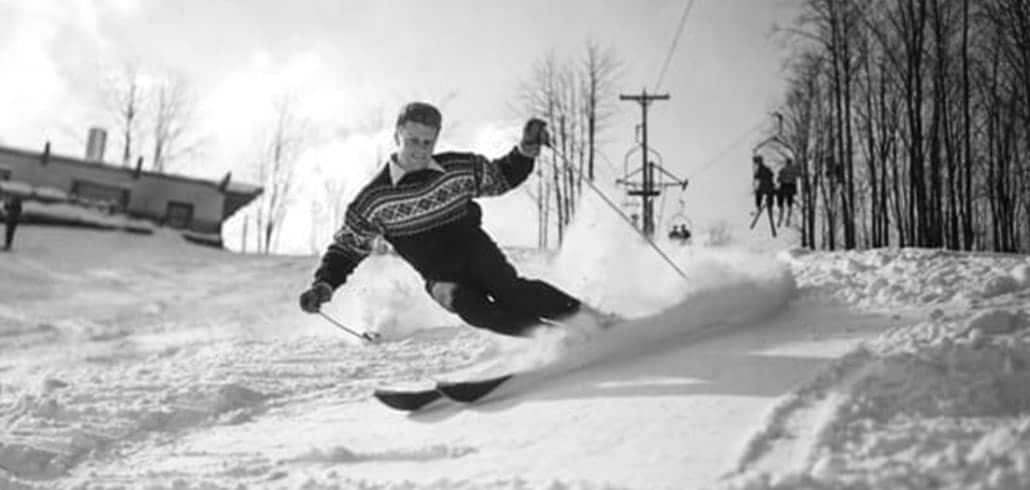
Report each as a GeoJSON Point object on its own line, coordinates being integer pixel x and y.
{"type": "Point", "coordinates": [351, 62]}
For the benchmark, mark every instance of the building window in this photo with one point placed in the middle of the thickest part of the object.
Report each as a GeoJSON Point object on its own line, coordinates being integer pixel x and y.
{"type": "Point", "coordinates": [179, 214]}
{"type": "Point", "coordinates": [5, 173]}
{"type": "Point", "coordinates": [116, 198]}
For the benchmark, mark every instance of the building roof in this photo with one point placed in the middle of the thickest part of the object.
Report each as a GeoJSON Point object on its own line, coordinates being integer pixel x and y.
{"type": "Point", "coordinates": [238, 188]}
{"type": "Point", "coordinates": [243, 188]}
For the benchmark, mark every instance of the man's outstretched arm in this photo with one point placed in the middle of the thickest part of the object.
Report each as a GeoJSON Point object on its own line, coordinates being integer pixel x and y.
{"type": "Point", "coordinates": [495, 177]}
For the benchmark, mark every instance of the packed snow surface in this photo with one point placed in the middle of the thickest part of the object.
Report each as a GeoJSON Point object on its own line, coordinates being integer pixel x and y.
{"type": "Point", "coordinates": [142, 361]}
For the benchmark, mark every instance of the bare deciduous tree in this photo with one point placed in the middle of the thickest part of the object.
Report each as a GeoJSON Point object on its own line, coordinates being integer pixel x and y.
{"type": "Point", "coordinates": [601, 70]}
{"type": "Point", "coordinates": [173, 122]}
{"type": "Point", "coordinates": [577, 99]}
{"type": "Point", "coordinates": [155, 111]}
{"type": "Point", "coordinates": [280, 148]}
{"type": "Point", "coordinates": [940, 103]}
{"type": "Point", "coordinates": [124, 97]}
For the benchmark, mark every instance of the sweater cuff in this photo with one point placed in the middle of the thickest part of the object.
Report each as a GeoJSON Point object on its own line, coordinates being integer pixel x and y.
{"type": "Point", "coordinates": [332, 282]}
{"type": "Point", "coordinates": [524, 153]}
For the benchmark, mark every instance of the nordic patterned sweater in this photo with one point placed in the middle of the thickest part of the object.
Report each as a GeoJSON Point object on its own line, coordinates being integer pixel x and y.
{"type": "Point", "coordinates": [428, 216]}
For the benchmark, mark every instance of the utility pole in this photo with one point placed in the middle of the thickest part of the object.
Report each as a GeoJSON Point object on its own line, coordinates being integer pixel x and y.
{"type": "Point", "coordinates": [648, 192]}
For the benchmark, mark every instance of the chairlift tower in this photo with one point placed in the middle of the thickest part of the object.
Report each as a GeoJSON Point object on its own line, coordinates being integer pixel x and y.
{"type": "Point", "coordinates": [647, 190]}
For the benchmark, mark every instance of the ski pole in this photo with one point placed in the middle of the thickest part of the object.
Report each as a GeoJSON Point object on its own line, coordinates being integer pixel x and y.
{"type": "Point", "coordinates": [565, 163]}
{"type": "Point", "coordinates": [370, 337]}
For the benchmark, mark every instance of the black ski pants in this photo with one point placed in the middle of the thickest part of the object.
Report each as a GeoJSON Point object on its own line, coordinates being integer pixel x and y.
{"type": "Point", "coordinates": [491, 294]}
{"type": "Point", "coordinates": [9, 227]}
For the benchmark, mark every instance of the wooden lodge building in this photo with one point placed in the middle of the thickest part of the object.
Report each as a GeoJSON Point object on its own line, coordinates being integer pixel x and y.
{"type": "Point", "coordinates": [176, 201]}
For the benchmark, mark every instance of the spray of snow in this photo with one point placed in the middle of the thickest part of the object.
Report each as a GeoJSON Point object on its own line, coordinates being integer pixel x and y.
{"type": "Point", "coordinates": [664, 289]}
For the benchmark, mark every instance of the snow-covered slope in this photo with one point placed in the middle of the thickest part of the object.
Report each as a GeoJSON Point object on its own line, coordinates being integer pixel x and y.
{"type": "Point", "coordinates": [942, 401]}
{"type": "Point", "coordinates": [145, 362]}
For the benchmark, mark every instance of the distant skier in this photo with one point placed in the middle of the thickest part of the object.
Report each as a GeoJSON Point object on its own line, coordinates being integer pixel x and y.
{"type": "Point", "coordinates": [680, 232]}
{"type": "Point", "coordinates": [422, 204]}
{"type": "Point", "coordinates": [12, 215]}
{"type": "Point", "coordinates": [787, 179]}
{"type": "Point", "coordinates": [763, 185]}
{"type": "Point", "coordinates": [764, 192]}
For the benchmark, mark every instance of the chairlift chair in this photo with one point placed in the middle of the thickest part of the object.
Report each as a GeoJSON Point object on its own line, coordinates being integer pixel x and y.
{"type": "Point", "coordinates": [681, 226]}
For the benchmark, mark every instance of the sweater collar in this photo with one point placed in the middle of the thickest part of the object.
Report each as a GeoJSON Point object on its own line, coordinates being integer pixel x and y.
{"type": "Point", "coordinates": [396, 171]}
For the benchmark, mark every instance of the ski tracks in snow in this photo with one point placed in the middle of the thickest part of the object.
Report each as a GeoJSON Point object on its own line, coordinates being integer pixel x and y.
{"type": "Point", "coordinates": [786, 440]}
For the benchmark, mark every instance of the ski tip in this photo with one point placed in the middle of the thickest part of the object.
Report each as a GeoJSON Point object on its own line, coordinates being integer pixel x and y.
{"type": "Point", "coordinates": [470, 391]}
{"type": "Point", "coordinates": [406, 401]}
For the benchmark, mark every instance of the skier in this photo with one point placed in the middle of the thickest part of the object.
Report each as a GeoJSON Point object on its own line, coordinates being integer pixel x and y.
{"type": "Point", "coordinates": [787, 178]}
{"type": "Point", "coordinates": [423, 205]}
{"type": "Point", "coordinates": [765, 191]}
{"type": "Point", "coordinates": [763, 185]}
{"type": "Point", "coordinates": [685, 233]}
{"type": "Point", "coordinates": [12, 214]}
{"type": "Point", "coordinates": [679, 232]}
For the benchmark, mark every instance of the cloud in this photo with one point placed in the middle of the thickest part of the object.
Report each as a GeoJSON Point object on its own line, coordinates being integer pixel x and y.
{"type": "Point", "coordinates": [31, 85]}
{"type": "Point", "coordinates": [41, 99]}
{"type": "Point", "coordinates": [344, 139]}
{"type": "Point", "coordinates": [240, 106]}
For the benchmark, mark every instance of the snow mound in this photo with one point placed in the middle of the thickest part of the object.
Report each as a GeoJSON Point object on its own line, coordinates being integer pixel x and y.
{"type": "Point", "coordinates": [341, 454]}
{"type": "Point", "coordinates": [999, 283]}
{"type": "Point", "coordinates": [1021, 273]}
{"type": "Point", "coordinates": [910, 278]}
{"type": "Point", "coordinates": [996, 321]}
{"type": "Point", "coordinates": [47, 433]}
{"type": "Point", "coordinates": [934, 405]}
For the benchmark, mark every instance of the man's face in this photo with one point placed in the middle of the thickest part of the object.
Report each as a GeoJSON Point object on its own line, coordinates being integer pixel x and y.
{"type": "Point", "coordinates": [415, 143]}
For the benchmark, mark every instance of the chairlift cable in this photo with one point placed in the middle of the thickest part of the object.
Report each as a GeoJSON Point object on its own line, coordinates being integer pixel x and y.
{"type": "Point", "coordinates": [608, 161]}
{"type": "Point", "coordinates": [736, 142]}
{"type": "Point", "coordinates": [675, 43]}
{"type": "Point", "coordinates": [565, 163]}
{"type": "Point", "coordinates": [661, 210]}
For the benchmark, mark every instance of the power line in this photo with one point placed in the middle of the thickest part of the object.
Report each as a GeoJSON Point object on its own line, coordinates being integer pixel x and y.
{"type": "Point", "coordinates": [731, 146]}
{"type": "Point", "coordinates": [611, 166]}
{"type": "Point", "coordinates": [675, 42]}
{"type": "Point", "coordinates": [615, 207]}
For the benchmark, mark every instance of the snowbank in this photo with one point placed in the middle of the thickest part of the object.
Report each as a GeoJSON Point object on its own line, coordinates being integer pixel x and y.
{"type": "Point", "coordinates": [67, 214]}
{"type": "Point", "coordinates": [942, 403]}
{"type": "Point", "coordinates": [914, 278]}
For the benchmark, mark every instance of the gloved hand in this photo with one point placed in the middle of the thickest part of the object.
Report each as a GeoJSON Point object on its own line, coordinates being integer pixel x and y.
{"type": "Point", "coordinates": [312, 299]}
{"type": "Point", "coordinates": [534, 135]}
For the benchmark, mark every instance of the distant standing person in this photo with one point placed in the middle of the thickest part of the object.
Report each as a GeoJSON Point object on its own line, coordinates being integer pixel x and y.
{"type": "Point", "coordinates": [12, 214]}
{"type": "Point", "coordinates": [788, 188]}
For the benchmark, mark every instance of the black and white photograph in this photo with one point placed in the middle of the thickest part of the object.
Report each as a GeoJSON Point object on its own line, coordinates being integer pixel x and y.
{"type": "Point", "coordinates": [515, 245]}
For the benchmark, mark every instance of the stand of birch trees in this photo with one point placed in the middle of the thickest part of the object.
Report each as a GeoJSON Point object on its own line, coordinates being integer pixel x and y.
{"type": "Point", "coordinates": [577, 99]}
{"type": "Point", "coordinates": [911, 119]}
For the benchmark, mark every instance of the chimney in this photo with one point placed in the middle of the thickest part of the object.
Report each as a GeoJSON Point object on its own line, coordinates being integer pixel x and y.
{"type": "Point", "coordinates": [95, 145]}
